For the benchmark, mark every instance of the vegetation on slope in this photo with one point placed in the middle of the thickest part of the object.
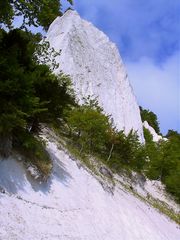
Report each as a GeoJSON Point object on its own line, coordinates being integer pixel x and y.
{"type": "Point", "coordinates": [33, 151]}
{"type": "Point", "coordinates": [164, 162]}
{"type": "Point", "coordinates": [93, 132]}
{"type": "Point", "coordinates": [31, 94]}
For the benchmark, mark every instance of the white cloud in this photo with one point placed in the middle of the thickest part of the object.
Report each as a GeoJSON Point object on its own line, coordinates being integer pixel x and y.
{"type": "Point", "coordinates": [147, 34]}
{"type": "Point", "coordinates": [157, 88]}
{"type": "Point", "coordinates": [140, 28]}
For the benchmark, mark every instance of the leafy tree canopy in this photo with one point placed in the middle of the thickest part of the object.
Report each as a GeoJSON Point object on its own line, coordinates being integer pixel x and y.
{"type": "Point", "coordinates": [26, 82]}
{"type": "Point", "coordinates": [171, 133]}
{"type": "Point", "coordinates": [164, 162]}
{"type": "Point", "coordinates": [89, 124]}
{"type": "Point", "coordinates": [94, 131]}
{"type": "Point", "coordinates": [27, 89]}
{"type": "Point", "coordinates": [33, 12]}
{"type": "Point", "coordinates": [17, 71]}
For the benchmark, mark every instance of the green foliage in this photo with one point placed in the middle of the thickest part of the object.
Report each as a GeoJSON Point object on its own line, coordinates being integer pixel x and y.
{"type": "Point", "coordinates": [164, 163]}
{"type": "Point", "coordinates": [171, 133]}
{"type": "Point", "coordinates": [28, 91]}
{"type": "Point", "coordinates": [89, 125]}
{"type": "Point", "coordinates": [171, 177]}
{"type": "Point", "coordinates": [128, 152]}
{"type": "Point", "coordinates": [147, 135]}
{"type": "Point", "coordinates": [33, 150]}
{"type": "Point", "coordinates": [94, 132]}
{"type": "Point", "coordinates": [91, 129]}
{"type": "Point", "coordinates": [46, 55]}
{"type": "Point", "coordinates": [55, 94]}
{"type": "Point", "coordinates": [17, 97]}
{"type": "Point", "coordinates": [153, 152]}
{"type": "Point", "coordinates": [172, 183]}
{"type": "Point", "coordinates": [34, 12]}
{"type": "Point", "coordinates": [6, 12]}
{"type": "Point", "coordinates": [151, 118]}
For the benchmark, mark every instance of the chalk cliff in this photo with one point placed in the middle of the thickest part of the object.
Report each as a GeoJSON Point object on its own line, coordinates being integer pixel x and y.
{"type": "Point", "coordinates": [96, 69]}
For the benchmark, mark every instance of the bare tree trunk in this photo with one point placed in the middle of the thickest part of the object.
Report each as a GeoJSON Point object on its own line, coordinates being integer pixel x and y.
{"type": "Point", "coordinates": [79, 133]}
{"type": "Point", "coordinates": [5, 145]}
{"type": "Point", "coordinates": [81, 149]}
{"type": "Point", "coordinates": [70, 131]}
{"type": "Point", "coordinates": [162, 169]}
{"type": "Point", "coordinates": [90, 146]}
{"type": "Point", "coordinates": [110, 153]}
{"type": "Point", "coordinates": [34, 126]}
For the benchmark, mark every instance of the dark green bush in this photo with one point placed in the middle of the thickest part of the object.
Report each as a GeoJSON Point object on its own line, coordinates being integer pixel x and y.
{"type": "Point", "coordinates": [164, 163]}
{"type": "Point", "coordinates": [33, 149]}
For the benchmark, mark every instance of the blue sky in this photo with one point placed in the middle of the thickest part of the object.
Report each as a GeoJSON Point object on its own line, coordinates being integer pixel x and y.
{"type": "Point", "coordinates": [147, 34]}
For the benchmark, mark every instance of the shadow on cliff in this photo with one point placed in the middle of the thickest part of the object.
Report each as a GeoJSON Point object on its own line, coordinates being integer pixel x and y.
{"type": "Point", "coordinates": [14, 177]}
{"type": "Point", "coordinates": [59, 174]}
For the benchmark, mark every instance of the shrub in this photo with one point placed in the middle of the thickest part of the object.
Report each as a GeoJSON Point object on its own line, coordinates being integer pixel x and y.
{"type": "Point", "coordinates": [89, 126]}
{"type": "Point", "coordinates": [33, 150]}
{"type": "Point", "coordinates": [164, 163]}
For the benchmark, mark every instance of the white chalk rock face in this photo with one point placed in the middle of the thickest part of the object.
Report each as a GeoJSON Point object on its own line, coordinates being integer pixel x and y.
{"type": "Point", "coordinates": [96, 69]}
{"type": "Point", "coordinates": [155, 136]}
{"type": "Point", "coordinates": [73, 205]}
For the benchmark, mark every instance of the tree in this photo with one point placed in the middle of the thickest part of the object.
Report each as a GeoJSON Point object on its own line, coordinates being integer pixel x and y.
{"type": "Point", "coordinates": [33, 12]}
{"type": "Point", "coordinates": [171, 177]}
{"type": "Point", "coordinates": [21, 96]}
{"type": "Point", "coordinates": [172, 182]}
{"type": "Point", "coordinates": [171, 133]}
{"type": "Point", "coordinates": [55, 94]}
{"type": "Point", "coordinates": [164, 163]}
{"type": "Point", "coordinates": [89, 125]}
{"type": "Point", "coordinates": [127, 151]}
{"type": "Point", "coordinates": [16, 86]}
{"type": "Point", "coordinates": [22, 76]}
{"type": "Point", "coordinates": [26, 87]}
{"type": "Point", "coordinates": [148, 136]}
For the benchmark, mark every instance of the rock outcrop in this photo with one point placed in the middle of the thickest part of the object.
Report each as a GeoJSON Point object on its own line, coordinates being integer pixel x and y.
{"type": "Point", "coordinates": [155, 136]}
{"type": "Point", "coordinates": [96, 69]}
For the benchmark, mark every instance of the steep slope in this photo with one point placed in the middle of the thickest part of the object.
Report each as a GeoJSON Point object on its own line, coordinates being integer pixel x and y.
{"type": "Point", "coordinates": [96, 68]}
{"type": "Point", "coordinates": [72, 205]}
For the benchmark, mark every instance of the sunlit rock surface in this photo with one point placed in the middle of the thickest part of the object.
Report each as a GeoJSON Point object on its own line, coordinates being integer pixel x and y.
{"type": "Point", "coordinates": [96, 69]}
{"type": "Point", "coordinates": [155, 136]}
{"type": "Point", "coordinates": [73, 205]}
